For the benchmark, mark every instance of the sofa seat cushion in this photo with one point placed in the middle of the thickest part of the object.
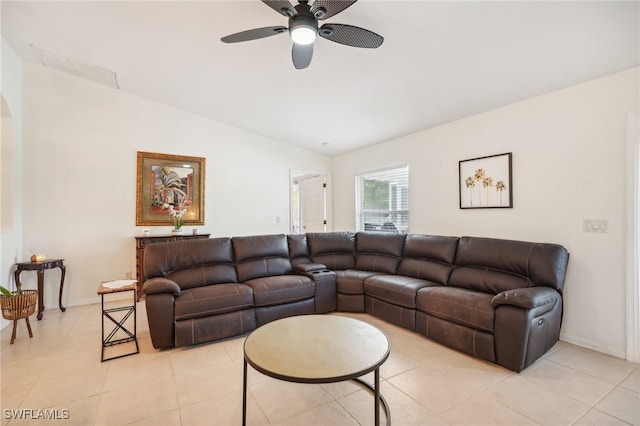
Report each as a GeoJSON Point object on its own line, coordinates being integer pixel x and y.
{"type": "Point", "coordinates": [213, 299]}
{"type": "Point", "coordinates": [395, 289]}
{"type": "Point", "coordinates": [281, 289]}
{"type": "Point", "coordinates": [458, 305]}
{"type": "Point", "coordinates": [351, 281]}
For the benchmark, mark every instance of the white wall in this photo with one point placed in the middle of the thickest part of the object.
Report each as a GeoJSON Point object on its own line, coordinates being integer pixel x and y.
{"type": "Point", "coordinates": [79, 145]}
{"type": "Point", "coordinates": [568, 164]}
{"type": "Point", "coordinates": [10, 155]}
{"type": "Point", "coordinates": [78, 171]}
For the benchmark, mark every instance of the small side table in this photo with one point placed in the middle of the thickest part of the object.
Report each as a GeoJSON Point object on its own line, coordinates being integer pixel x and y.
{"type": "Point", "coordinates": [126, 311]}
{"type": "Point", "coordinates": [40, 267]}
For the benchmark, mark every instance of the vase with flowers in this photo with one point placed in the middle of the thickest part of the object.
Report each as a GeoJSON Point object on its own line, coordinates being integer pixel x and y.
{"type": "Point", "coordinates": [176, 215]}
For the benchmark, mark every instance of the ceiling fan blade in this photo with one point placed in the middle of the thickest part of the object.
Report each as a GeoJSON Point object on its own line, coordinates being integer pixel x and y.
{"type": "Point", "coordinates": [323, 9]}
{"type": "Point", "coordinates": [301, 55]}
{"type": "Point", "coordinates": [254, 34]}
{"type": "Point", "coordinates": [350, 35]}
{"type": "Point", "coordinates": [283, 7]}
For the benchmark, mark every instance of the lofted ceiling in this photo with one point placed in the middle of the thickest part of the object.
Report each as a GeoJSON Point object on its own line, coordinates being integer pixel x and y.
{"type": "Point", "coordinates": [440, 60]}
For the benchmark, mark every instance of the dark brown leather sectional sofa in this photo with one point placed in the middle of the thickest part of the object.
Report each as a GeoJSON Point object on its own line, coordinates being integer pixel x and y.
{"type": "Point", "coordinates": [498, 300]}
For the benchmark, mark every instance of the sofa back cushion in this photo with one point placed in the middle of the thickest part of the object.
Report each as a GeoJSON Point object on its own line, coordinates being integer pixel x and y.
{"type": "Point", "coordinates": [379, 251]}
{"type": "Point", "coordinates": [298, 249]}
{"type": "Point", "coordinates": [261, 256]}
{"type": "Point", "coordinates": [191, 263]}
{"type": "Point", "coordinates": [428, 257]}
{"type": "Point", "coordinates": [493, 265]}
{"type": "Point", "coordinates": [336, 250]}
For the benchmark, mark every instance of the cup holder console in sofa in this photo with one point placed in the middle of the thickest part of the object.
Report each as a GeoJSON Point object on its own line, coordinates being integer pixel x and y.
{"type": "Point", "coordinates": [498, 300]}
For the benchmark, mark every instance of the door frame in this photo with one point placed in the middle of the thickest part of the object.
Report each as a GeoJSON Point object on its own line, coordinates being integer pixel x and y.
{"type": "Point", "coordinates": [295, 174]}
{"type": "Point", "coordinates": [633, 238]}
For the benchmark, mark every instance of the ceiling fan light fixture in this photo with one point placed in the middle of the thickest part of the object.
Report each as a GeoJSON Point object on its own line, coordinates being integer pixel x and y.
{"type": "Point", "coordinates": [303, 35]}
{"type": "Point", "coordinates": [303, 29]}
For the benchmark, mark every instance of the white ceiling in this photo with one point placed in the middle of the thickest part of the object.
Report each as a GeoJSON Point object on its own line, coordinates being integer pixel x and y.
{"type": "Point", "coordinates": [440, 61]}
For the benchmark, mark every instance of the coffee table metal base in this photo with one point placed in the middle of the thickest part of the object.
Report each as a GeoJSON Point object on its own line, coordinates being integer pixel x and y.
{"type": "Point", "coordinates": [375, 390]}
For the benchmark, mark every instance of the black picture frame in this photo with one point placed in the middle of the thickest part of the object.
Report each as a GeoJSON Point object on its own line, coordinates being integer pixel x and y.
{"type": "Point", "coordinates": [486, 182]}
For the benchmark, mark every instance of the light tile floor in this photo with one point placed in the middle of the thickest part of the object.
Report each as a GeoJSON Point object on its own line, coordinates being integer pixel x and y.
{"type": "Point", "coordinates": [59, 369]}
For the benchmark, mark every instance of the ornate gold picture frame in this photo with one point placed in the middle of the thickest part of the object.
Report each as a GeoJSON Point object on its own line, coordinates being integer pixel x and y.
{"type": "Point", "coordinates": [169, 180]}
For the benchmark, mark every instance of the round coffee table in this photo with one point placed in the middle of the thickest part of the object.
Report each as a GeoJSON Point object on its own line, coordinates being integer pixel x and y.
{"type": "Point", "coordinates": [318, 349]}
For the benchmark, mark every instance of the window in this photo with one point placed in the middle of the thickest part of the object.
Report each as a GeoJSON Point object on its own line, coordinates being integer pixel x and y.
{"type": "Point", "coordinates": [382, 200]}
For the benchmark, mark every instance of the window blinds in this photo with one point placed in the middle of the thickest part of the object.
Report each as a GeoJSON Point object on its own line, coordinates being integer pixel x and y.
{"type": "Point", "coordinates": [382, 200]}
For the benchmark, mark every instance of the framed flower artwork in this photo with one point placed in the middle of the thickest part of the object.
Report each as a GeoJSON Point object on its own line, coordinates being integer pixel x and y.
{"type": "Point", "coordinates": [486, 182]}
{"type": "Point", "coordinates": [164, 181]}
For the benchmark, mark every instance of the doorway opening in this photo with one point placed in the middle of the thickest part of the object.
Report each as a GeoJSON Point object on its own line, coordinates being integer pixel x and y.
{"type": "Point", "coordinates": [308, 201]}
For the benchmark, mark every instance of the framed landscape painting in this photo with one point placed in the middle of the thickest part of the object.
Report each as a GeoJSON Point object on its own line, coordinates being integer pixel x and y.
{"type": "Point", "coordinates": [486, 182]}
{"type": "Point", "coordinates": [165, 180]}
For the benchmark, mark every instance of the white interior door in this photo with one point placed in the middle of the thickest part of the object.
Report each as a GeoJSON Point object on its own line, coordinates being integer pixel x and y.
{"type": "Point", "coordinates": [312, 204]}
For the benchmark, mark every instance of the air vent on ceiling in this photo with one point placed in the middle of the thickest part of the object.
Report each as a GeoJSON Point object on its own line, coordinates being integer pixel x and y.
{"type": "Point", "coordinates": [79, 69]}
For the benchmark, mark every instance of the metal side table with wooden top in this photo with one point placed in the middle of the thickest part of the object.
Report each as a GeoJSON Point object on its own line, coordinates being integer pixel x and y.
{"type": "Point", "coordinates": [121, 332]}
{"type": "Point", "coordinates": [40, 267]}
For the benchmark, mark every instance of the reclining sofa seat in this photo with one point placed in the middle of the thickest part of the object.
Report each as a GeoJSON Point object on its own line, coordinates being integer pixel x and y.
{"type": "Point", "coordinates": [192, 293]}
{"type": "Point", "coordinates": [263, 264]}
{"type": "Point", "coordinates": [427, 260]}
{"type": "Point", "coordinates": [354, 258]}
{"type": "Point", "coordinates": [502, 302]}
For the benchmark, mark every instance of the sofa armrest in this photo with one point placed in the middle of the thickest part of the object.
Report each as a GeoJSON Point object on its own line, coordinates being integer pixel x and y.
{"type": "Point", "coordinates": [526, 298]}
{"type": "Point", "coordinates": [309, 267]}
{"type": "Point", "coordinates": [161, 285]}
{"type": "Point", "coordinates": [527, 324]}
{"type": "Point", "coordinates": [160, 294]}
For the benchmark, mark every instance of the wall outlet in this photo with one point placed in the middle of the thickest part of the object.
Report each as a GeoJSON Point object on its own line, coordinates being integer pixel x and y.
{"type": "Point", "coordinates": [595, 225]}
{"type": "Point", "coordinates": [128, 275]}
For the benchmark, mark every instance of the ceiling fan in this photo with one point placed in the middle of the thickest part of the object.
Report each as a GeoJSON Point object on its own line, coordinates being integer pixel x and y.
{"type": "Point", "coordinates": [303, 28]}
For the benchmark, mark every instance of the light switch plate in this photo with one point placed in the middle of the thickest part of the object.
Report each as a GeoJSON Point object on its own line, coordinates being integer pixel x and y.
{"type": "Point", "coordinates": [595, 225]}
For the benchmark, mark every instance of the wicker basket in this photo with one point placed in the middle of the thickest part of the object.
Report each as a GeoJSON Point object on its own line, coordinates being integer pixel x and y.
{"type": "Point", "coordinates": [16, 307]}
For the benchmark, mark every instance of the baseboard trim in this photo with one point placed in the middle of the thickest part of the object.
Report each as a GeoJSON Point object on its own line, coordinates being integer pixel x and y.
{"type": "Point", "coordinates": [618, 353]}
